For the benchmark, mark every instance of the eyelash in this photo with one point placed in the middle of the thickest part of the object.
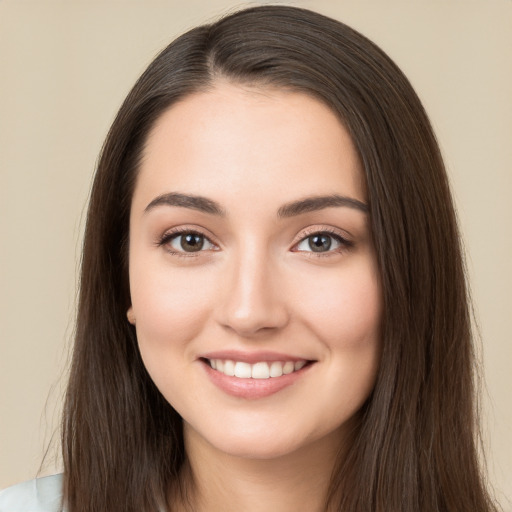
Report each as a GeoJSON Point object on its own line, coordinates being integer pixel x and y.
{"type": "Point", "coordinates": [174, 233]}
{"type": "Point", "coordinates": [344, 243]}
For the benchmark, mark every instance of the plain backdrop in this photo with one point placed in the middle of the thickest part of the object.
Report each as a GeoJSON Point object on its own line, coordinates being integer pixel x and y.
{"type": "Point", "coordinates": [65, 67]}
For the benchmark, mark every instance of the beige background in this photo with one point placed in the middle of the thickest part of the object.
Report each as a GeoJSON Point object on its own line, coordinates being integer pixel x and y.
{"type": "Point", "coordinates": [64, 69]}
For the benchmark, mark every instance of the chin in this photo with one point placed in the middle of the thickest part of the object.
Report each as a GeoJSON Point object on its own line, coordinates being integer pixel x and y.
{"type": "Point", "coordinates": [258, 449]}
{"type": "Point", "coordinates": [264, 441]}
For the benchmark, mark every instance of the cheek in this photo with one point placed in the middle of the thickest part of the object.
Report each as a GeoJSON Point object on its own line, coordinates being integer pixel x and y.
{"type": "Point", "coordinates": [345, 310]}
{"type": "Point", "coordinates": [345, 315]}
{"type": "Point", "coordinates": [171, 311]}
{"type": "Point", "coordinates": [170, 308]}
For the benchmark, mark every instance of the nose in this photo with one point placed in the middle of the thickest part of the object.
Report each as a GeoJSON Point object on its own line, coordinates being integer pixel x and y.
{"type": "Point", "coordinates": [254, 301]}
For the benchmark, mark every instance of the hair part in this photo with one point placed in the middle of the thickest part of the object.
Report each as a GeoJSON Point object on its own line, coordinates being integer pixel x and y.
{"type": "Point", "coordinates": [415, 445]}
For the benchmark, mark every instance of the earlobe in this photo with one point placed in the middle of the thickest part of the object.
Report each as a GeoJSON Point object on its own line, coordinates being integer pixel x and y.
{"type": "Point", "coordinates": [130, 315]}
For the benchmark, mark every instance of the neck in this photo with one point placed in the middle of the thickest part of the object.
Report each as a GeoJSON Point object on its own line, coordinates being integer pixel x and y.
{"type": "Point", "coordinates": [216, 481]}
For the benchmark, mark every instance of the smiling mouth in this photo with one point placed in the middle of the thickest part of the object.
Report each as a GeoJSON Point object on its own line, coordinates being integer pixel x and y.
{"type": "Point", "coordinates": [258, 370]}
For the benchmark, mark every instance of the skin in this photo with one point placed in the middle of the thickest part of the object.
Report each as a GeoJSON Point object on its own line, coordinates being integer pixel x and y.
{"type": "Point", "coordinates": [256, 285]}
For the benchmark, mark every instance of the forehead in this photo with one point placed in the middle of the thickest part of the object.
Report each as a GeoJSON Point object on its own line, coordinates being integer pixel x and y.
{"type": "Point", "coordinates": [249, 142]}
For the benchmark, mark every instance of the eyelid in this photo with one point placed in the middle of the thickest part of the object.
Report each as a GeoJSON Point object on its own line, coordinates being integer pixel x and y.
{"type": "Point", "coordinates": [171, 233]}
{"type": "Point", "coordinates": [341, 236]}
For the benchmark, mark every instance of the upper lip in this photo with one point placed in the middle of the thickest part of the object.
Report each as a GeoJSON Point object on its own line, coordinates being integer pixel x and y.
{"type": "Point", "coordinates": [251, 357]}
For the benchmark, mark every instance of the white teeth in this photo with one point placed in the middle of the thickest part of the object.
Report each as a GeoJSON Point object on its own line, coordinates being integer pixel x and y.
{"type": "Point", "coordinates": [243, 370]}
{"type": "Point", "coordinates": [229, 368]}
{"type": "Point", "coordinates": [288, 367]}
{"type": "Point", "coordinates": [260, 370]}
{"type": "Point", "coordinates": [299, 364]}
{"type": "Point", "coordinates": [276, 369]}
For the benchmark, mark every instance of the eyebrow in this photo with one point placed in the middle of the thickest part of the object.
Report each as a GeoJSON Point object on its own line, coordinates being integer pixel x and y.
{"type": "Point", "coordinates": [292, 209]}
{"type": "Point", "coordinates": [311, 204]}
{"type": "Point", "coordinates": [202, 204]}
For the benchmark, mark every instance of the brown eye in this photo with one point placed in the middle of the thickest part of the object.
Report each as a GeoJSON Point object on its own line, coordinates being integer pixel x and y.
{"type": "Point", "coordinates": [189, 242]}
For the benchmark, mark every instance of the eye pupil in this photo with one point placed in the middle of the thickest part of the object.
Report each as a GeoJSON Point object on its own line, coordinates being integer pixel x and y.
{"type": "Point", "coordinates": [192, 242]}
{"type": "Point", "coordinates": [320, 243]}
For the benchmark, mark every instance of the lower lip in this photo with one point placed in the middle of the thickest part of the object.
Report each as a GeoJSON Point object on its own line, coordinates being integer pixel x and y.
{"type": "Point", "coordinates": [252, 389]}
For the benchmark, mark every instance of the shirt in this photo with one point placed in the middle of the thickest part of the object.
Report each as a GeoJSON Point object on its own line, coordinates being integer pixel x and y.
{"type": "Point", "coordinates": [38, 495]}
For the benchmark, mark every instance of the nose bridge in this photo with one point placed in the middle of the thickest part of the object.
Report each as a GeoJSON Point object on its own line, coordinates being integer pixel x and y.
{"type": "Point", "coordinates": [253, 301]}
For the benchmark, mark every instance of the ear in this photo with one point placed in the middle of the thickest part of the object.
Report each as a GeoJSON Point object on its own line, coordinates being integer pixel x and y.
{"type": "Point", "coordinates": [130, 315]}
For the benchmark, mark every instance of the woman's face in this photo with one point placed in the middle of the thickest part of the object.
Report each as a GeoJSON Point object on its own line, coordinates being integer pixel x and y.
{"type": "Point", "coordinates": [254, 287]}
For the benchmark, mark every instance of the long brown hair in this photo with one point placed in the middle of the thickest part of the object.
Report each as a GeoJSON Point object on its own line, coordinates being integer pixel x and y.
{"type": "Point", "coordinates": [416, 446]}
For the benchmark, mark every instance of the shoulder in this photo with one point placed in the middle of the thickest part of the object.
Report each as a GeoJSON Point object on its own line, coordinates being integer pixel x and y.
{"type": "Point", "coordinates": [38, 495]}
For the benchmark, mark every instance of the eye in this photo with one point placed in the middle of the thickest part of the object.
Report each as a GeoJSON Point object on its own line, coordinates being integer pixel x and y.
{"type": "Point", "coordinates": [323, 242]}
{"type": "Point", "coordinates": [186, 242]}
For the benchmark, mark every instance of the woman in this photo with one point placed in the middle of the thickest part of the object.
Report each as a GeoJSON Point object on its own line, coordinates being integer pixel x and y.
{"type": "Point", "coordinates": [273, 311]}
